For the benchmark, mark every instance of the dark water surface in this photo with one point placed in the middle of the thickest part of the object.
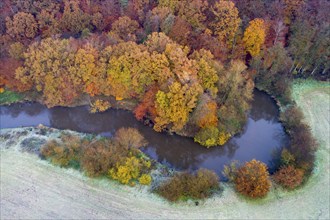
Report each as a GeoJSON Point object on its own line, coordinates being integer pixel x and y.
{"type": "Point", "coordinates": [261, 137]}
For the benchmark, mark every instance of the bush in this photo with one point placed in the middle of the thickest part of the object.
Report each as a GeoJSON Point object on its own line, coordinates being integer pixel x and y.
{"type": "Point", "coordinates": [99, 106]}
{"type": "Point", "coordinates": [230, 171]}
{"type": "Point", "coordinates": [204, 182]}
{"type": "Point", "coordinates": [99, 156]}
{"type": "Point", "coordinates": [65, 153]}
{"type": "Point", "coordinates": [130, 169]}
{"type": "Point", "coordinates": [207, 137]}
{"type": "Point", "coordinates": [145, 179]}
{"type": "Point", "coordinates": [303, 144]}
{"type": "Point", "coordinates": [185, 185]}
{"type": "Point", "coordinates": [252, 179]}
{"type": "Point", "coordinates": [211, 136]}
{"type": "Point", "coordinates": [289, 177]}
{"type": "Point", "coordinates": [287, 158]}
{"type": "Point", "coordinates": [291, 117]}
{"type": "Point", "coordinates": [130, 138]}
{"type": "Point", "coordinates": [223, 138]}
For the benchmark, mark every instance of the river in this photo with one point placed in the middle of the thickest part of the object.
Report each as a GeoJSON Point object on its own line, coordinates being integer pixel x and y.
{"type": "Point", "coordinates": [261, 138]}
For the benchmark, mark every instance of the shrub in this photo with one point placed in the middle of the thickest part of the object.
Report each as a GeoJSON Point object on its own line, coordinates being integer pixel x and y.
{"type": "Point", "coordinates": [99, 156]}
{"type": "Point", "coordinates": [185, 185]}
{"type": "Point", "coordinates": [145, 179]}
{"type": "Point", "coordinates": [130, 138]}
{"type": "Point", "coordinates": [99, 106]}
{"type": "Point", "coordinates": [203, 184]}
{"type": "Point", "coordinates": [287, 158]}
{"type": "Point", "coordinates": [211, 136]}
{"type": "Point", "coordinates": [130, 169]}
{"type": "Point", "coordinates": [252, 179]}
{"type": "Point", "coordinates": [289, 177]}
{"type": "Point", "coordinates": [230, 171]}
{"type": "Point", "coordinates": [223, 138]}
{"type": "Point", "coordinates": [65, 153]}
{"type": "Point", "coordinates": [207, 136]}
{"type": "Point", "coordinates": [102, 156]}
{"type": "Point", "coordinates": [303, 144]}
{"type": "Point", "coordinates": [291, 117]}
{"type": "Point", "coordinates": [124, 173]}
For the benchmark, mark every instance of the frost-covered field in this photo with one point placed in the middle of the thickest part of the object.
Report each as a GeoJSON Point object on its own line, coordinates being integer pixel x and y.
{"type": "Point", "coordinates": [32, 188]}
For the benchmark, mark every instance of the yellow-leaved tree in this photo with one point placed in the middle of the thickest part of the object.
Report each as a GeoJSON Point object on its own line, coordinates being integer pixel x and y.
{"type": "Point", "coordinates": [226, 20]}
{"type": "Point", "coordinates": [129, 70]}
{"type": "Point", "coordinates": [207, 71]}
{"type": "Point", "coordinates": [254, 36]}
{"type": "Point", "coordinates": [173, 107]}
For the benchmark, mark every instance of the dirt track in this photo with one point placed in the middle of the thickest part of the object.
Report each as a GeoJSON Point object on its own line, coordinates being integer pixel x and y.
{"type": "Point", "coordinates": [32, 188]}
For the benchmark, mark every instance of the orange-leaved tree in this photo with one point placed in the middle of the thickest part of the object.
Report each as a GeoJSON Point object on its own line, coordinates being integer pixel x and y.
{"type": "Point", "coordinates": [252, 179]}
{"type": "Point", "coordinates": [289, 177]}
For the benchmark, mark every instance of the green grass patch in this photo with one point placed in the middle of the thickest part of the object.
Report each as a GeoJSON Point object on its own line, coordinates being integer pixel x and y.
{"type": "Point", "coordinates": [8, 97]}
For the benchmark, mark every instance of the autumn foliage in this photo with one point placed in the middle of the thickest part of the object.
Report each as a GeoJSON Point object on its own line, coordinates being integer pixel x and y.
{"type": "Point", "coordinates": [116, 158]}
{"type": "Point", "coordinates": [289, 177]}
{"type": "Point", "coordinates": [23, 25]}
{"type": "Point", "coordinates": [130, 138]}
{"type": "Point", "coordinates": [99, 106]}
{"type": "Point", "coordinates": [8, 79]}
{"type": "Point", "coordinates": [254, 36]}
{"type": "Point", "coordinates": [147, 105]}
{"type": "Point", "coordinates": [129, 169]}
{"type": "Point", "coordinates": [65, 153]}
{"type": "Point", "coordinates": [226, 20]}
{"type": "Point", "coordinates": [252, 179]}
{"type": "Point", "coordinates": [184, 185]}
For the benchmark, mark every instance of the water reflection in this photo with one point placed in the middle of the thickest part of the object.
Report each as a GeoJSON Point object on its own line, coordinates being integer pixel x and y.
{"type": "Point", "coordinates": [262, 109]}
{"type": "Point", "coordinates": [262, 135]}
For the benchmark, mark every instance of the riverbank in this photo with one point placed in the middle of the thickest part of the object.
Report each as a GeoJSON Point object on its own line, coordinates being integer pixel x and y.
{"type": "Point", "coordinates": [32, 188]}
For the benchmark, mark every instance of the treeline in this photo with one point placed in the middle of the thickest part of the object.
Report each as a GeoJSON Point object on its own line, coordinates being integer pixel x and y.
{"type": "Point", "coordinates": [229, 29]}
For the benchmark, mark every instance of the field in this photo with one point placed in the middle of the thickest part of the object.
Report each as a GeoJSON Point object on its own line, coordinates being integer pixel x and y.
{"type": "Point", "coordinates": [32, 188]}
